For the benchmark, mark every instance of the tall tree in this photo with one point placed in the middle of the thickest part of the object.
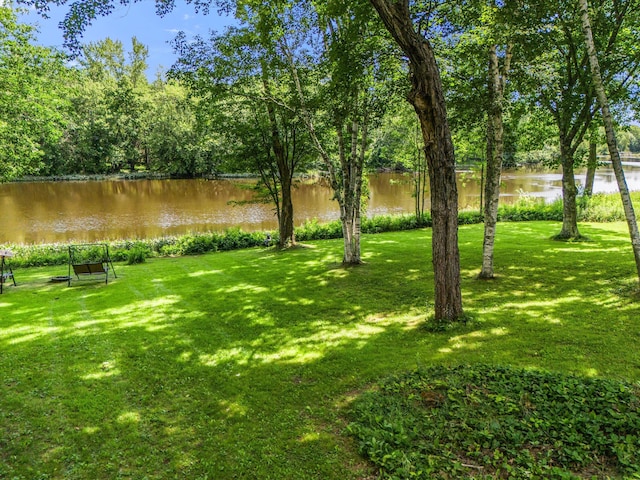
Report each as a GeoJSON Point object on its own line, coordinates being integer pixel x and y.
{"type": "Point", "coordinates": [180, 140]}
{"type": "Point", "coordinates": [108, 129]}
{"type": "Point", "coordinates": [356, 96]}
{"type": "Point", "coordinates": [340, 77]}
{"type": "Point", "coordinates": [611, 136]}
{"type": "Point", "coordinates": [427, 98]}
{"type": "Point", "coordinates": [246, 88]}
{"type": "Point", "coordinates": [556, 78]}
{"type": "Point", "coordinates": [495, 152]}
{"type": "Point", "coordinates": [481, 30]}
{"type": "Point", "coordinates": [33, 105]}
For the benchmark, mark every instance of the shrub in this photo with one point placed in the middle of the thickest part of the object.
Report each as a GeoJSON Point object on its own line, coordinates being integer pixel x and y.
{"type": "Point", "coordinates": [137, 254]}
{"type": "Point", "coordinates": [313, 230]}
{"type": "Point", "coordinates": [601, 208]}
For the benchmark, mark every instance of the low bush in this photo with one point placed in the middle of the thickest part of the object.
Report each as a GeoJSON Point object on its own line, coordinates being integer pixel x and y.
{"type": "Point", "coordinates": [313, 230]}
{"type": "Point", "coordinates": [190, 244]}
{"type": "Point", "coordinates": [603, 208]}
{"type": "Point", "coordinates": [499, 422]}
{"type": "Point", "coordinates": [138, 253]}
{"type": "Point", "coordinates": [38, 255]}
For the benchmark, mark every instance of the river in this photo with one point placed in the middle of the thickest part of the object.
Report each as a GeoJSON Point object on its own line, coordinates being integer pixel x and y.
{"type": "Point", "coordinates": [89, 211]}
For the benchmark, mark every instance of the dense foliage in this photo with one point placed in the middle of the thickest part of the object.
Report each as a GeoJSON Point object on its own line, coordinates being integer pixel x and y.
{"type": "Point", "coordinates": [499, 422]}
{"type": "Point", "coordinates": [103, 115]}
{"type": "Point", "coordinates": [33, 99]}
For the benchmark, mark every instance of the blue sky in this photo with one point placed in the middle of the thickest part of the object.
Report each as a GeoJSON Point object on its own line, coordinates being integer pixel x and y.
{"type": "Point", "coordinates": [139, 20]}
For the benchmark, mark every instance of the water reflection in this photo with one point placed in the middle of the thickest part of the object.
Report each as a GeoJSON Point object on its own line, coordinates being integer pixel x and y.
{"type": "Point", "coordinates": [44, 212]}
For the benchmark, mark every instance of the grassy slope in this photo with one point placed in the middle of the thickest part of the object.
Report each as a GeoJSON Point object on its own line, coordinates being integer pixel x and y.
{"type": "Point", "coordinates": [237, 364]}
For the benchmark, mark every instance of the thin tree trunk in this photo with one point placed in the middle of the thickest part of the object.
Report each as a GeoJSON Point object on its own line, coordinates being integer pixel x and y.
{"type": "Point", "coordinates": [495, 154]}
{"type": "Point", "coordinates": [592, 165]}
{"type": "Point", "coordinates": [352, 188]}
{"type": "Point", "coordinates": [427, 98]}
{"type": "Point", "coordinates": [611, 135]}
{"type": "Point", "coordinates": [347, 188]}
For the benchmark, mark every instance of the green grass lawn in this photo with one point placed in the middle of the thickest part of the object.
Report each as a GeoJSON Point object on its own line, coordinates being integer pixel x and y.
{"type": "Point", "coordinates": [242, 364]}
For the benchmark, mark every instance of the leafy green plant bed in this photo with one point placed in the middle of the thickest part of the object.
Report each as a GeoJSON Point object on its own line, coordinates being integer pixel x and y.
{"type": "Point", "coordinates": [498, 422]}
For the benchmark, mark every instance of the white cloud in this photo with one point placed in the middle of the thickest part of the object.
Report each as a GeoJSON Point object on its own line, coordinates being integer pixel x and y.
{"type": "Point", "coordinates": [185, 17]}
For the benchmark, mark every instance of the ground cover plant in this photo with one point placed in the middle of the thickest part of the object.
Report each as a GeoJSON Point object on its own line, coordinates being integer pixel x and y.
{"type": "Point", "coordinates": [246, 363]}
{"type": "Point", "coordinates": [478, 421]}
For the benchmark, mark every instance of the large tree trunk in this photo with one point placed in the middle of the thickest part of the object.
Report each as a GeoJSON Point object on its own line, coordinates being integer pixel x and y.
{"type": "Point", "coordinates": [569, 195]}
{"type": "Point", "coordinates": [592, 165]}
{"type": "Point", "coordinates": [286, 231]}
{"type": "Point", "coordinates": [611, 136]}
{"type": "Point", "coordinates": [495, 153]}
{"type": "Point", "coordinates": [427, 98]}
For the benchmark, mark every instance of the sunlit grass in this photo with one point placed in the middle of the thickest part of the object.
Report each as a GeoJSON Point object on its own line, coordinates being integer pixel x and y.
{"type": "Point", "coordinates": [240, 364]}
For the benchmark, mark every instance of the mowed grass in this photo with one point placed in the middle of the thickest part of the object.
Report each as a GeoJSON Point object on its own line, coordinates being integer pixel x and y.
{"type": "Point", "coordinates": [242, 364]}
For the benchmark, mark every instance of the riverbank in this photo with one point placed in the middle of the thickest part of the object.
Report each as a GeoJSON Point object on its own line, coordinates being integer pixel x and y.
{"type": "Point", "coordinates": [245, 364]}
{"type": "Point", "coordinates": [146, 176]}
{"type": "Point", "coordinates": [119, 210]}
{"type": "Point", "coordinates": [599, 208]}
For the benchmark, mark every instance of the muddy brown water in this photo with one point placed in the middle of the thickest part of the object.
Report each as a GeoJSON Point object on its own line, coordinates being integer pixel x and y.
{"type": "Point", "coordinates": [89, 211]}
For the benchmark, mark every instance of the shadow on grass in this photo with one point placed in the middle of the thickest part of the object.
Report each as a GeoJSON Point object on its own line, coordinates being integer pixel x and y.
{"type": "Point", "coordinates": [235, 364]}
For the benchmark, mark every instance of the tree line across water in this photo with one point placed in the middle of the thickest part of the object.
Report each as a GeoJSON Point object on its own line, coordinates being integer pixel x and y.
{"type": "Point", "coordinates": [103, 116]}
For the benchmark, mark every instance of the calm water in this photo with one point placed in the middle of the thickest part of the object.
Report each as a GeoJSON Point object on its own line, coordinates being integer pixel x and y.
{"type": "Point", "coordinates": [46, 212]}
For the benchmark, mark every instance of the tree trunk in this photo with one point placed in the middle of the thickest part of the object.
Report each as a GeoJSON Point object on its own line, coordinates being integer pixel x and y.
{"type": "Point", "coordinates": [592, 165]}
{"type": "Point", "coordinates": [347, 183]}
{"type": "Point", "coordinates": [427, 98]}
{"type": "Point", "coordinates": [611, 136]}
{"type": "Point", "coordinates": [351, 163]}
{"type": "Point", "coordinates": [569, 195]}
{"type": "Point", "coordinates": [284, 207]}
{"type": "Point", "coordinates": [286, 231]}
{"type": "Point", "coordinates": [495, 153]}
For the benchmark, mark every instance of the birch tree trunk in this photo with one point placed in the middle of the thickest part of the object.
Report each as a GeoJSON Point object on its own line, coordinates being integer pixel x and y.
{"type": "Point", "coordinates": [427, 98]}
{"type": "Point", "coordinates": [495, 154]}
{"type": "Point", "coordinates": [592, 165]}
{"type": "Point", "coordinates": [611, 136]}
{"type": "Point", "coordinates": [351, 162]}
{"type": "Point", "coordinates": [345, 175]}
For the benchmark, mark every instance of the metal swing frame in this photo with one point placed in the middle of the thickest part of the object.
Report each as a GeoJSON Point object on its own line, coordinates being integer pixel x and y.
{"type": "Point", "coordinates": [82, 269]}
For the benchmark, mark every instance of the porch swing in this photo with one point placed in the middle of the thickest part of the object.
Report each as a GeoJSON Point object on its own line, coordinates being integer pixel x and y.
{"type": "Point", "coordinates": [90, 260]}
